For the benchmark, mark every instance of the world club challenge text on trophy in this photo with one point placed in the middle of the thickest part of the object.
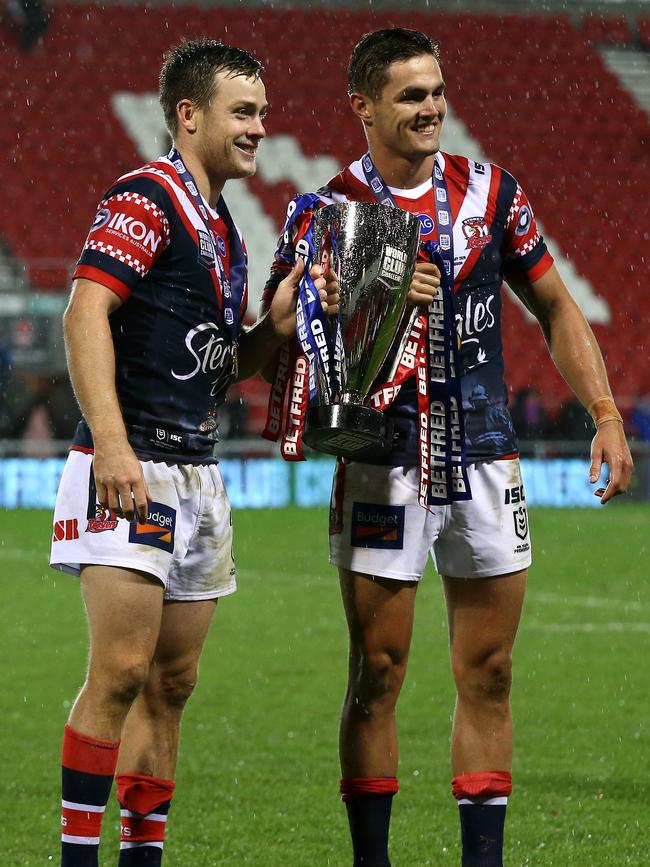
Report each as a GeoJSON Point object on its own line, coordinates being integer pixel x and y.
{"type": "Point", "coordinates": [373, 249]}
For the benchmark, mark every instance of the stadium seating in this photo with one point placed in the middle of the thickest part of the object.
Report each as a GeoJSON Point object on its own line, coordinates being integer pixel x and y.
{"type": "Point", "coordinates": [530, 89]}
{"type": "Point", "coordinates": [607, 29]}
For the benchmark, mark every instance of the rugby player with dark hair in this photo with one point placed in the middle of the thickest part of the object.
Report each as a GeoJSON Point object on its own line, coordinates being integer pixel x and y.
{"type": "Point", "coordinates": [154, 337]}
{"type": "Point", "coordinates": [380, 534]}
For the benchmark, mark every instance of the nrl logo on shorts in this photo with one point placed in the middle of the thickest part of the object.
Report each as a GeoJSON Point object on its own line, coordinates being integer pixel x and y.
{"type": "Point", "coordinates": [520, 517]}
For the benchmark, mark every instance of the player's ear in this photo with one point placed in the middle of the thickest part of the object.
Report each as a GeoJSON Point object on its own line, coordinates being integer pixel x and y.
{"type": "Point", "coordinates": [186, 112]}
{"type": "Point", "coordinates": [361, 105]}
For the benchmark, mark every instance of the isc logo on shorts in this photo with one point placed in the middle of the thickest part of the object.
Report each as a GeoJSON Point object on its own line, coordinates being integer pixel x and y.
{"type": "Point", "coordinates": [376, 526]}
{"type": "Point", "coordinates": [158, 532]}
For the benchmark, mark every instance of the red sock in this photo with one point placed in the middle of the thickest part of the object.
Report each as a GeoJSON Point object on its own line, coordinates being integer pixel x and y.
{"type": "Point", "coordinates": [144, 803]}
{"type": "Point", "coordinates": [88, 766]}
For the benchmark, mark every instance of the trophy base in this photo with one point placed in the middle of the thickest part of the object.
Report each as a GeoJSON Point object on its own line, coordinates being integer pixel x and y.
{"type": "Point", "coordinates": [348, 430]}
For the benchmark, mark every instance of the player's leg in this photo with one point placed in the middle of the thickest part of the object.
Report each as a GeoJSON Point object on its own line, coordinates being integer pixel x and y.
{"type": "Point", "coordinates": [124, 610]}
{"type": "Point", "coordinates": [483, 619]}
{"type": "Point", "coordinates": [379, 539]}
{"type": "Point", "coordinates": [149, 749]}
{"type": "Point", "coordinates": [205, 572]}
{"type": "Point", "coordinates": [486, 547]}
{"type": "Point", "coordinates": [379, 614]}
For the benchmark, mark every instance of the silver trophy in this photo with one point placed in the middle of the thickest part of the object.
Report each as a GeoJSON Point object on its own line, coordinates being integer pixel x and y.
{"type": "Point", "coordinates": [373, 250]}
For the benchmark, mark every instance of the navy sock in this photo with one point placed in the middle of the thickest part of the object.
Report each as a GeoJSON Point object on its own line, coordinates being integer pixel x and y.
{"type": "Point", "coordinates": [481, 828]}
{"type": "Point", "coordinates": [369, 818]}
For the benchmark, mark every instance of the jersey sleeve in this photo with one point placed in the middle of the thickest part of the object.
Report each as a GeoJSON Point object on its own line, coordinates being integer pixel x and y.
{"type": "Point", "coordinates": [526, 254]}
{"type": "Point", "coordinates": [129, 233]}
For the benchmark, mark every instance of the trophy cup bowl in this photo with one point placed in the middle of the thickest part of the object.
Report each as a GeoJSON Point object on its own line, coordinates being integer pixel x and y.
{"type": "Point", "coordinates": [373, 249]}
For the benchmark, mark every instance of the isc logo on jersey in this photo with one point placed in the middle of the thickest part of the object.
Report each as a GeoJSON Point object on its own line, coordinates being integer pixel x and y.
{"type": "Point", "coordinates": [158, 530]}
{"type": "Point", "coordinates": [133, 230]}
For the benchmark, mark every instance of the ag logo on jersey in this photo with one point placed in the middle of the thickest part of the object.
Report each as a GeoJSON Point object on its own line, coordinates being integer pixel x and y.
{"type": "Point", "coordinates": [520, 517]}
{"type": "Point", "coordinates": [426, 224]}
{"type": "Point", "coordinates": [158, 531]}
{"type": "Point", "coordinates": [477, 232]}
{"type": "Point", "coordinates": [101, 218]}
{"type": "Point", "coordinates": [377, 526]}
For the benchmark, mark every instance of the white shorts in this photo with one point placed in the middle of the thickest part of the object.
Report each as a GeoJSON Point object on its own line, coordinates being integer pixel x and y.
{"type": "Point", "coordinates": [186, 542]}
{"type": "Point", "coordinates": [377, 526]}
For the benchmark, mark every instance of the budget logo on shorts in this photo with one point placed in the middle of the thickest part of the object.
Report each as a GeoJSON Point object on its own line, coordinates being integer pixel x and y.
{"type": "Point", "coordinates": [376, 526]}
{"type": "Point", "coordinates": [158, 532]}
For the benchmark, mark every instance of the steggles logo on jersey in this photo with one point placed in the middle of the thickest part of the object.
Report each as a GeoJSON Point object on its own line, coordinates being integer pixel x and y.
{"type": "Point", "coordinates": [158, 531]}
{"type": "Point", "coordinates": [104, 520]}
{"type": "Point", "coordinates": [210, 352]}
{"type": "Point", "coordinates": [477, 232]}
{"type": "Point", "coordinates": [377, 526]}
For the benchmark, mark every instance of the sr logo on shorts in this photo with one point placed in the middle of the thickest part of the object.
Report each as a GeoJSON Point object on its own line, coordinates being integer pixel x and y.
{"type": "Point", "coordinates": [158, 532]}
{"type": "Point", "coordinates": [376, 526]}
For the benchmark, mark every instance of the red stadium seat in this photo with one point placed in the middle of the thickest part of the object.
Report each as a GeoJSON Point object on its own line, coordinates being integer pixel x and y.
{"type": "Point", "coordinates": [607, 29]}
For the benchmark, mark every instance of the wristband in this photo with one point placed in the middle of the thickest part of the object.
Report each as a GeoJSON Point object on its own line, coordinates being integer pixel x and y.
{"type": "Point", "coordinates": [603, 409]}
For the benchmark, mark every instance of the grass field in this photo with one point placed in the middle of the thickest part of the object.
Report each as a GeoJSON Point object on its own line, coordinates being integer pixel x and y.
{"type": "Point", "coordinates": [258, 775]}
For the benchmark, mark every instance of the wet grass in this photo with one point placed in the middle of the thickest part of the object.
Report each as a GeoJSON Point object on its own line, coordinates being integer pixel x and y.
{"type": "Point", "coordinates": [257, 780]}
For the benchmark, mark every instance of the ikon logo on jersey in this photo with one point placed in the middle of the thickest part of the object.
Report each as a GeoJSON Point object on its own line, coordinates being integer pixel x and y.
{"type": "Point", "coordinates": [477, 232]}
{"type": "Point", "coordinates": [158, 532]}
{"type": "Point", "coordinates": [376, 526]}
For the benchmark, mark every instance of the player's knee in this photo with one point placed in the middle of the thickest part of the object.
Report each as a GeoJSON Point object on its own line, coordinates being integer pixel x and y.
{"type": "Point", "coordinates": [486, 678]}
{"type": "Point", "coordinates": [376, 680]}
{"type": "Point", "coordinates": [175, 687]}
{"type": "Point", "coordinates": [123, 681]}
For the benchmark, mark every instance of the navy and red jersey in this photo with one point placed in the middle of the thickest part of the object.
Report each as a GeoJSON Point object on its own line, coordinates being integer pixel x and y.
{"type": "Point", "coordinates": [495, 237]}
{"type": "Point", "coordinates": [149, 244]}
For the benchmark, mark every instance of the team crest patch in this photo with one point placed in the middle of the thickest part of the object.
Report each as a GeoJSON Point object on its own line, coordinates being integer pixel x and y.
{"type": "Point", "coordinates": [520, 517]}
{"type": "Point", "coordinates": [104, 520]}
{"type": "Point", "coordinates": [477, 232]}
{"type": "Point", "coordinates": [376, 526]}
{"type": "Point", "coordinates": [158, 532]}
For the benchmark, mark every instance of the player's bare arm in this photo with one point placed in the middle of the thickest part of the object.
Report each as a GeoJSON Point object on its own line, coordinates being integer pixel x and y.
{"type": "Point", "coordinates": [425, 284]}
{"type": "Point", "coordinates": [278, 323]}
{"type": "Point", "coordinates": [91, 361]}
{"type": "Point", "coordinates": [578, 357]}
